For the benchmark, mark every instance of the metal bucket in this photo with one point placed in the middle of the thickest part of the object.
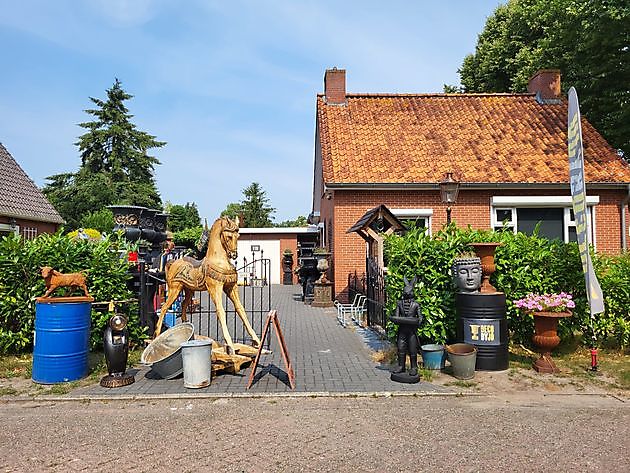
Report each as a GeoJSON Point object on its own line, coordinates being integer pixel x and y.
{"type": "Point", "coordinates": [62, 336]}
{"type": "Point", "coordinates": [433, 356]}
{"type": "Point", "coordinates": [164, 354]}
{"type": "Point", "coordinates": [462, 357]}
{"type": "Point", "coordinates": [196, 356]}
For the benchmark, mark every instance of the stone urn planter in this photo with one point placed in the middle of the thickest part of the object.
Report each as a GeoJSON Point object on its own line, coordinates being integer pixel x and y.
{"type": "Point", "coordinates": [485, 251]}
{"type": "Point", "coordinates": [546, 339]}
{"type": "Point", "coordinates": [127, 219]}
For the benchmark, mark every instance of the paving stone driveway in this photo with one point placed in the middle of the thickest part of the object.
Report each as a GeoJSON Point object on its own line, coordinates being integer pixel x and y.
{"type": "Point", "coordinates": [326, 358]}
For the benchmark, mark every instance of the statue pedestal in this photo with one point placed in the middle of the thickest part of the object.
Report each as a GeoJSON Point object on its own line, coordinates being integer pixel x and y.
{"type": "Point", "coordinates": [322, 294]}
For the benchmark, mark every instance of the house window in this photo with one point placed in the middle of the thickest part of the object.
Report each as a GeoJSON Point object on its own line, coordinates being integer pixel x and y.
{"type": "Point", "coordinates": [6, 229]}
{"type": "Point", "coordinates": [29, 233]}
{"type": "Point", "coordinates": [553, 215]}
{"type": "Point", "coordinates": [414, 218]}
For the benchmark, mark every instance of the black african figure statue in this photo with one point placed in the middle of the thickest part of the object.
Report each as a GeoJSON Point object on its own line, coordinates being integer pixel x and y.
{"type": "Point", "coordinates": [408, 318]}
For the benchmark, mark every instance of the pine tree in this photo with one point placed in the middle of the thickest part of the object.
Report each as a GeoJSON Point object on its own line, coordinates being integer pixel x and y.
{"type": "Point", "coordinates": [255, 207]}
{"type": "Point", "coordinates": [115, 167]}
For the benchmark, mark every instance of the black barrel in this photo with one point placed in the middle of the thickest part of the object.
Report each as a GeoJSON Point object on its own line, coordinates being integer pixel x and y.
{"type": "Point", "coordinates": [482, 322]}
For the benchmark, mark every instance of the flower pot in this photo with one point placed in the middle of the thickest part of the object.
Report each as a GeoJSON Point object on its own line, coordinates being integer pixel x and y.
{"type": "Point", "coordinates": [546, 339]}
{"type": "Point", "coordinates": [463, 358]}
{"type": "Point", "coordinates": [433, 356]}
{"type": "Point", "coordinates": [485, 251]}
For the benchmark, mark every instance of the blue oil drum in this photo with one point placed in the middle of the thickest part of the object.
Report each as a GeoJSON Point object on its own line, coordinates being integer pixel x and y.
{"type": "Point", "coordinates": [62, 336]}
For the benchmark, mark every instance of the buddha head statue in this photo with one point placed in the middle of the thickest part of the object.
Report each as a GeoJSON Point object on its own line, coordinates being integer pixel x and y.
{"type": "Point", "coordinates": [467, 274]}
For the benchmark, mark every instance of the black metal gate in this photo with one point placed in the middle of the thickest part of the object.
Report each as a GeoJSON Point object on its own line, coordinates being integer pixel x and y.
{"type": "Point", "coordinates": [255, 294]}
{"type": "Point", "coordinates": [376, 297]}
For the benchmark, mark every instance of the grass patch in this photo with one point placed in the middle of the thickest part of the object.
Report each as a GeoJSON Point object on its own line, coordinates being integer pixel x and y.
{"type": "Point", "coordinates": [16, 366]}
{"type": "Point", "coordinates": [8, 391]}
{"type": "Point", "coordinates": [461, 384]}
{"type": "Point", "coordinates": [385, 357]}
{"type": "Point", "coordinates": [426, 375]}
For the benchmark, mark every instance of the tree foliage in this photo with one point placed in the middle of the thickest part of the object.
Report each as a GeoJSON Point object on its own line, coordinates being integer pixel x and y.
{"type": "Point", "coordinates": [115, 166]}
{"type": "Point", "coordinates": [588, 41]}
{"type": "Point", "coordinates": [183, 216]}
{"type": "Point", "coordinates": [300, 221]}
{"type": "Point", "coordinates": [254, 210]}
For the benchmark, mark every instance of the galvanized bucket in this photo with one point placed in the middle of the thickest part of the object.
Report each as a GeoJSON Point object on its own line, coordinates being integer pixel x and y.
{"type": "Point", "coordinates": [164, 354]}
{"type": "Point", "coordinates": [196, 356]}
{"type": "Point", "coordinates": [462, 357]}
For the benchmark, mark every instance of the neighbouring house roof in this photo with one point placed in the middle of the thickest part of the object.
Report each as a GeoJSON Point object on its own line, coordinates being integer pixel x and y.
{"type": "Point", "coordinates": [480, 138]}
{"type": "Point", "coordinates": [19, 196]}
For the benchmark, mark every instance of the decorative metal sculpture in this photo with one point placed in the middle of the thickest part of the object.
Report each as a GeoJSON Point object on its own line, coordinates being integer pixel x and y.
{"type": "Point", "coordinates": [54, 280]}
{"type": "Point", "coordinates": [408, 317]}
{"type": "Point", "coordinates": [214, 273]}
{"type": "Point", "coordinates": [466, 274]}
{"type": "Point", "coordinates": [116, 349]}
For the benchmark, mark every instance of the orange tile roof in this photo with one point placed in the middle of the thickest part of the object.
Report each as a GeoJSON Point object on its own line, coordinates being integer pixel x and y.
{"type": "Point", "coordinates": [481, 138]}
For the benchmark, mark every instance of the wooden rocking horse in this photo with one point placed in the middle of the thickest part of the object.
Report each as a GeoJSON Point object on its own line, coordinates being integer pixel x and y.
{"type": "Point", "coordinates": [214, 273]}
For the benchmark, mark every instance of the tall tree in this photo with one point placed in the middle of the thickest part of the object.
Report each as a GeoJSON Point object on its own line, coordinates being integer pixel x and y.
{"type": "Point", "coordinates": [115, 166]}
{"type": "Point", "coordinates": [255, 207]}
{"type": "Point", "coordinates": [588, 41]}
{"type": "Point", "coordinates": [183, 216]}
{"type": "Point", "coordinates": [233, 210]}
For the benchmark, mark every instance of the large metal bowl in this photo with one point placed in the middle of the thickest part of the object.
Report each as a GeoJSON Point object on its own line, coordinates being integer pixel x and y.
{"type": "Point", "coordinates": [164, 354]}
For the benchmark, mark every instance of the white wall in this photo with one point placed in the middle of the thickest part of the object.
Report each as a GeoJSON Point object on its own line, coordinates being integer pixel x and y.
{"type": "Point", "coordinates": [271, 250]}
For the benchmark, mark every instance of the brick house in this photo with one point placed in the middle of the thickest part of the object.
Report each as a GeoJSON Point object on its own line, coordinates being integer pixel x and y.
{"type": "Point", "coordinates": [508, 151]}
{"type": "Point", "coordinates": [24, 209]}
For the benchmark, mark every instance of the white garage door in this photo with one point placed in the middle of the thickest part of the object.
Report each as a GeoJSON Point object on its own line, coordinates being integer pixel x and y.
{"type": "Point", "coordinates": [268, 249]}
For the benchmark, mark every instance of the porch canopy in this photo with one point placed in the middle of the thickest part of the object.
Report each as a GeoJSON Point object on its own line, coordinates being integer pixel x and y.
{"type": "Point", "coordinates": [373, 226]}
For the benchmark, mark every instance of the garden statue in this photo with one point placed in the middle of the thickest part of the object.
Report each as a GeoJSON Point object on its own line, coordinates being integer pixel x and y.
{"type": "Point", "coordinates": [54, 279]}
{"type": "Point", "coordinates": [467, 274]}
{"type": "Point", "coordinates": [408, 317]}
{"type": "Point", "coordinates": [214, 273]}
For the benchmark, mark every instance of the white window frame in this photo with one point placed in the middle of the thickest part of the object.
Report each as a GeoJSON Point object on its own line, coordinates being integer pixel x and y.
{"type": "Point", "coordinates": [404, 214]}
{"type": "Point", "coordinates": [5, 227]}
{"type": "Point", "coordinates": [496, 223]}
{"type": "Point", "coordinates": [555, 201]}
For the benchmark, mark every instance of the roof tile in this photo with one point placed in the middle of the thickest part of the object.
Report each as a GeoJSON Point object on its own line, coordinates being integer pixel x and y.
{"type": "Point", "coordinates": [481, 138]}
{"type": "Point", "coordinates": [19, 196]}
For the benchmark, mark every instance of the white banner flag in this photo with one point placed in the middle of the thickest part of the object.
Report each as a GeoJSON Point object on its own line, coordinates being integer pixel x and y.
{"type": "Point", "coordinates": [578, 194]}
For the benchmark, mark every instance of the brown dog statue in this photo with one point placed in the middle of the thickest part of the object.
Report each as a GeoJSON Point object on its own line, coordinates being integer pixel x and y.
{"type": "Point", "coordinates": [54, 279]}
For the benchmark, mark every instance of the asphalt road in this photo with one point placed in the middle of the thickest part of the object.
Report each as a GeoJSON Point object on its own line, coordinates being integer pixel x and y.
{"type": "Point", "coordinates": [551, 433]}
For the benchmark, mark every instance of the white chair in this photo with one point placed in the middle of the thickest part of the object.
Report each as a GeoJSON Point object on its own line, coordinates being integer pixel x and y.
{"type": "Point", "coordinates": [359, 310]}
{"type": "Point", "coordinates": [343, 309]}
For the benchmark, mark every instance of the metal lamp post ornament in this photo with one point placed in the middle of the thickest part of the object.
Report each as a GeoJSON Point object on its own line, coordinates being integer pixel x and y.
{"type": "Point", "coordinates": [449, 188]}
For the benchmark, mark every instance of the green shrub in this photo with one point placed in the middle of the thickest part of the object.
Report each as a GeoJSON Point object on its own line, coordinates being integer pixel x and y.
{"type": "Point", "coordinates": [524, 264]}
{"type": "Point", "coordinates": [188, 237]}
{"type": "Point", "coordinates": [21, 283]}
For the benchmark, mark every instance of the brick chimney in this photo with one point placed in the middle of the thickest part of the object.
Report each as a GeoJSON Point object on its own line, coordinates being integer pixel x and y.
{"type": "Point", "coordinates": [335, 86]}
{"type": "Point", "coordinates": [546, 84]}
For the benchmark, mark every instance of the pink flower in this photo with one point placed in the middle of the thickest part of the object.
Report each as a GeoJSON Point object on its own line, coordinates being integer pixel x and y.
{"type": "Point", "coordinates": [546, 302]}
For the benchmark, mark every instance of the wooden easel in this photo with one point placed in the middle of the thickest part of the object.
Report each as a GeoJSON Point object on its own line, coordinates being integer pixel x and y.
{"type": "Point", "coordinates": [272, 317]}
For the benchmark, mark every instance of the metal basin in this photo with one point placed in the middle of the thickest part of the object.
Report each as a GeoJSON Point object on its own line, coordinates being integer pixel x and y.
{"type": "Point", "coordinates": [164, 354]}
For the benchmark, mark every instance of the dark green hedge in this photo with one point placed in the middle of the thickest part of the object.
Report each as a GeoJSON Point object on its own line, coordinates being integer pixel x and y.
{"type": "Point", "coordinates": [524, 264]}
{"type": "Point", "coordinates": [21, 283]}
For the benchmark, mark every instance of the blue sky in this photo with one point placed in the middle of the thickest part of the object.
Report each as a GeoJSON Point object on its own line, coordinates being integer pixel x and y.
{"type": "Point", "coordinates": [229, 85]}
